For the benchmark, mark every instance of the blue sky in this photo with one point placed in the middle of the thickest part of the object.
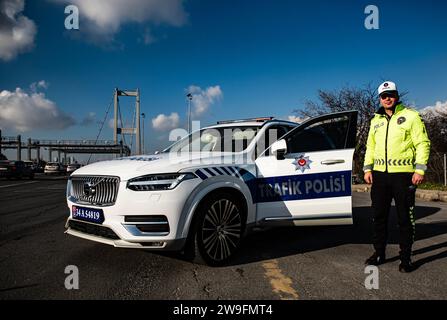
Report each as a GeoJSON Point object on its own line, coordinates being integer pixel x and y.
{"type": "Point", "coordinates": [261, 57]}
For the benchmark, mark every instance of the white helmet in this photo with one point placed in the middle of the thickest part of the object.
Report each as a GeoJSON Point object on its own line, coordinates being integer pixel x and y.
{"type": "Point", "coordinates": [387, 86]}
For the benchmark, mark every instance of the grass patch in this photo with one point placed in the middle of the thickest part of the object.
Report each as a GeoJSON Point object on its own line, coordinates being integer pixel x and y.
{"type": "Point", "coordinates": [432, 186]}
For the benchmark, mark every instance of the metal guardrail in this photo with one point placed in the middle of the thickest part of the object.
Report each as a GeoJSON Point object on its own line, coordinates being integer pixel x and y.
{"type": "Point", "coordinates": [8, 139]}
{"type": "Point", "coordinates": [65, 146]}
{"type": "Point", "coordinates": [72, 142]}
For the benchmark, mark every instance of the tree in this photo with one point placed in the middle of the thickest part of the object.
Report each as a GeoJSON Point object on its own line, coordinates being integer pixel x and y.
{"type": "Point", "coordinates": [436, 124]}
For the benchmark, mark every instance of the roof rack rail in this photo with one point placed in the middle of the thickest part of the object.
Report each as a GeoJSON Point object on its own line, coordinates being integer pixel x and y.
{"type": "Point", "coordinates": [259, 119]}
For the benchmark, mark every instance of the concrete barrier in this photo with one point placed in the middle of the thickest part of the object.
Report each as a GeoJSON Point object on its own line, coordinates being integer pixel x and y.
{"type": "Point", "coordinates": [427, 195]}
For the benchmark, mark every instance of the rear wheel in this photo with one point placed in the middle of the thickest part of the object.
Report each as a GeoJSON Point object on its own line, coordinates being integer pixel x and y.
{"type": "Point", "coordinates": [218, 229]}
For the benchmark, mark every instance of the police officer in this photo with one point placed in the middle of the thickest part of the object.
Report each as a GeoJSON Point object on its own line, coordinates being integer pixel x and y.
{"type": "Point", "coordinates": [396, 158]}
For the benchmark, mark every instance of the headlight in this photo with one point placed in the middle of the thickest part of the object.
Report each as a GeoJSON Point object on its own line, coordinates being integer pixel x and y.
{"type": "Point", "coordinates": [156, 182]}
{"type": "Point", "coordinates": [69, 187]}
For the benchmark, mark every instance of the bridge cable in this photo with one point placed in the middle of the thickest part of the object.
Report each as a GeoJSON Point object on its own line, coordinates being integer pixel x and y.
{"type": "Point", "coordinates": [100, 129]}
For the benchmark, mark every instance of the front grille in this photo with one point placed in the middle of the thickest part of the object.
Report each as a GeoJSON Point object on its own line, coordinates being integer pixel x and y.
{"type": "Point", "coordinates": [93, 229]}
{"type": "Point", "coordinates": [105, 189]}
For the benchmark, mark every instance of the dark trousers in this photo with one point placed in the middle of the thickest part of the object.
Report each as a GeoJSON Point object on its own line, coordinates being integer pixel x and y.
{"type": "Point", "coordinates": [397, 186]}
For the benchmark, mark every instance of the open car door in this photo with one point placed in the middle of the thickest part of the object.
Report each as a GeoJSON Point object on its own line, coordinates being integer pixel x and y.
{"type": "Point", "coordinates": [306, 178]}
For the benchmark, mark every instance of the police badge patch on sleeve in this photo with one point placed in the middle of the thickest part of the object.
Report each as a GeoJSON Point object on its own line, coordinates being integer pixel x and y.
{"type": "Point", "coordinates": [401, 120]}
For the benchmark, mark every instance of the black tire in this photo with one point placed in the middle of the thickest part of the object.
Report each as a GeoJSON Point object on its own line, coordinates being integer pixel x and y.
{"type": "Point", "coordinates": [217, 230]}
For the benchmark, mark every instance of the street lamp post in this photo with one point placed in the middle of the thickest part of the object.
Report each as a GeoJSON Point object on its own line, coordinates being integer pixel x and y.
{"type": "Point", "coordinates": [143, 116]}
{"type": "Point", "coordinates": [189, 96]}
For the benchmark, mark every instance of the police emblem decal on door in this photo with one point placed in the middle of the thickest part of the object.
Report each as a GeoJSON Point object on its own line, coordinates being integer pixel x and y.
{"type": "Point", "coordinates": [302, 163]}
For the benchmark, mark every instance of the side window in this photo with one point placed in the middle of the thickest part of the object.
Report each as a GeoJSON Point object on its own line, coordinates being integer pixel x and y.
{"type": "Point", "coordinates": [326, 134]}
{"type": "Point", "coordinates": [271, 135]}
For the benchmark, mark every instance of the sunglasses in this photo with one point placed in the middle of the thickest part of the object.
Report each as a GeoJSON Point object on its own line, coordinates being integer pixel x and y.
{"type": "Point", "coordinates": [383, 96]}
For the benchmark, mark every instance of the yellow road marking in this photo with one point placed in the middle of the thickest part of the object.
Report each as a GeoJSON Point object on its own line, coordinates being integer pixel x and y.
{"type": "Point", "coordinates": [280, 283]}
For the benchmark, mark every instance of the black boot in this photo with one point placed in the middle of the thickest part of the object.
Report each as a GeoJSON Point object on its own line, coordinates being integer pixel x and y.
{"type": "Point", "coordinates": [376, 259]}
{"type": "Point", "coordinates": [405, 265]}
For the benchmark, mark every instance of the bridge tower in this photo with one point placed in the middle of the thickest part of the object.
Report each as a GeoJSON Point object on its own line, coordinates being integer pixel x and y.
{"type": "Point", "coordinates": [133, 131]}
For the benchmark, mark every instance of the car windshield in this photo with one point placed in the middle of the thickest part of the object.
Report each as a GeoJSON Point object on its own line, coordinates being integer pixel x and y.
{"type": "Point", "coordinates": [223, 139]}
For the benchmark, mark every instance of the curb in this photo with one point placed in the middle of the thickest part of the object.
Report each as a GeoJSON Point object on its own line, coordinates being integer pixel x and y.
{"type": "Point", "coordinates": [427, 195]}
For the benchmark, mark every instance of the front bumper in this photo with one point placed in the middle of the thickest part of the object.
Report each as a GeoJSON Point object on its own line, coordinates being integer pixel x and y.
{"type": "Point", "coordinates": [168, 203]}
{"type": "Point", "coordinates": [165, 245]}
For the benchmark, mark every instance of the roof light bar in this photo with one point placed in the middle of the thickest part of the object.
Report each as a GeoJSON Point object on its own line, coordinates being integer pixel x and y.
{"type": "Point", "coordinates": [259, 119]}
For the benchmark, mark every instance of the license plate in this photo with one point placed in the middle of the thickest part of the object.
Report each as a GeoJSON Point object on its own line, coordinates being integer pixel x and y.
{"type": "Point", "coordinates": [87, 214]}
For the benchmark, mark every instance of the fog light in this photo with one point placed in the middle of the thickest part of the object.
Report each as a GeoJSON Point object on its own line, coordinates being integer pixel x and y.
{"type": "Point", "coordinates": [158, 244]}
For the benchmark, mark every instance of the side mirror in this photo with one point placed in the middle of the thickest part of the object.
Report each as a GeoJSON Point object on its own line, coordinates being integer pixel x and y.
{"type": "Point", "coordinates": [279, 149]}
{"type": "Point", "coordinates": [157, 152]}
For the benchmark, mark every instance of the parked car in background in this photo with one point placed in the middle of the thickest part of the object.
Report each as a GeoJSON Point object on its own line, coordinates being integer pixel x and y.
{"type": "Point", "coordinates": [73, 167]}
{"type": "Point", "coordinates": [32, 165]}
{"type": "Point", "coordinates": [15, 169]}
{"type": "Point", "coordinates": [40, 166]}
{"type": "Point", "coordinates": [54, 168]}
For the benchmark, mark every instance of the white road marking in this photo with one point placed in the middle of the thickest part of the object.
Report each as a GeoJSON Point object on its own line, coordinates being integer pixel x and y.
{"type": "Point", "coordinates": [18, 184]}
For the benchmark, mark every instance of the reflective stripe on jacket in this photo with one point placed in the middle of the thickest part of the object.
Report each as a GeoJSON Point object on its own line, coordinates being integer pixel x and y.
{"type": "Point", "coordinates": [398, 143]}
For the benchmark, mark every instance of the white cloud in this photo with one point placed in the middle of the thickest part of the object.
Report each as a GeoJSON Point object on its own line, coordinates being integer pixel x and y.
{"type": "Point", "coordinates": [295, 119]}
{"type": "Point", "coordinates": [111, 123]}
{"type": "Point", "coordinates": [203, 99]}
{"type": "Point", "coordinates": [163, 122]}
{"type": "Point", "coordinates": [17, 32]}
{"type": "Point", "coordinates": [148, 37]}
{"type": "Point", "coordinates": [24, 111]}
{"type": "Point", "coordinates": [35, 86]}
{"type": "Point", "coordinates": [439, 107]}
{"type": "Point", "coordinates": [89, 119]}
{"type": "Point", "coordinates": [101, 19]}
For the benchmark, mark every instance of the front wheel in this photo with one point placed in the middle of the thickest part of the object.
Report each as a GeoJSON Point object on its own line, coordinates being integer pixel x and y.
{"type": "Point", "coordinates": [218, 229]}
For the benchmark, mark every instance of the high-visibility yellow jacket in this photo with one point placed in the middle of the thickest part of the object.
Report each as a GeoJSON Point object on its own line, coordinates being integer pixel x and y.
{"type": "Point", "coordinates": [398, 143]}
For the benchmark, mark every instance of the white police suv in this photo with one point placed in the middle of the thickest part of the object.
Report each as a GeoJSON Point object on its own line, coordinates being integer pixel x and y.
{"type": "Point", "coordinates": [206, 191]}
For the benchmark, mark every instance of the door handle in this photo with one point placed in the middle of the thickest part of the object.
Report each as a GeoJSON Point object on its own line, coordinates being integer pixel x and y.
{"type": "Point", "coordinates": [331, 162]}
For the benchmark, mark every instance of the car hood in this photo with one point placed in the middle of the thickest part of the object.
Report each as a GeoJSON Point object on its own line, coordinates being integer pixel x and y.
{"type": "Point", "coordinates": [131, 167]}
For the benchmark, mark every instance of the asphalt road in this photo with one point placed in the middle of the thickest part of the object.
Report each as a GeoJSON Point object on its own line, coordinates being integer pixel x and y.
{"type": "Point", "coordinates": [286, 263]}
